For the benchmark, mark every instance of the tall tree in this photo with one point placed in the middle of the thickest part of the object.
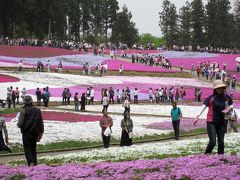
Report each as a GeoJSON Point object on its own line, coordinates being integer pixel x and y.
{"type": "Point", "coordinates": [198, 18]}
{"type": "Point", "coordinates": [223, 24]}
{"type": "Point", "coordinates": [74, 11]}
{"type": "Point", "coordinates": [169, 23]}
{"type": "Point", "coordinates": [97, 18]}
{"type": "Point", "coordinates": [236, 26]}
{"type": "Point", "coordinates": [110, 8]}
{"type": "Point", "coordinates": [86, 18]}
{"type": "Point", "coordinates": [124, 29]}
{"type": "Point", "coordinates": [185, 25]}
{"type": "Point", "coordinates": [211, 22]}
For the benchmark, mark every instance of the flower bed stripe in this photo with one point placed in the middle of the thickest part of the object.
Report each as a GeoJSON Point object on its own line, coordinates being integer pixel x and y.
{"type": "Point", "coordinates": [61, 116]}
{"type": "Point", "coordinates": [7, 78]}
{"type": "Point", "coordinates": [29, 52]}
{"type": "Point", "coordinates": [191, 167]}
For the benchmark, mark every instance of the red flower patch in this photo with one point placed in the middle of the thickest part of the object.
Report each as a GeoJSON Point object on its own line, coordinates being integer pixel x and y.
{"type": "Point", "coordinates": [6, 78]}
{"type": "Point", "coordinates": [33, 52]}
{"type": "Point", "coordinates": [61, 116]}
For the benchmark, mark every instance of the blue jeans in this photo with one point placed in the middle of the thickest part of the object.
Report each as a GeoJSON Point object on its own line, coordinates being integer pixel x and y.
{"type": "Point", "coordinates": [215, 130]}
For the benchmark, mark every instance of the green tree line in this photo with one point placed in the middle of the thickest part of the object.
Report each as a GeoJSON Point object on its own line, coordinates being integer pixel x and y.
{"type": "Point", "coordinates": [95, 21]}
{"type": "Point", "coordinates": [195, 24]}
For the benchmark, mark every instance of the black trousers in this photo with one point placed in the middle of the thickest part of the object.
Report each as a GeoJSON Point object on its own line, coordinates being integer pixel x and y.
{"type": "Point", "coordinates": [64, 101]}
{"type": "Point", "coordinates": [135, 99]}
{"type": "Point", "coordinates": [105, 107]}
{"type": "Point", "coordinates": [125, 140]}
{"type": "Point", "coordinates": [30, 144]}
{"type": "Point", "coordinates": [111, 100]}
{"type": "Point", "coordinates": [176, 125]}
{"type": "Point", "coordinates": [106, 141]}
{"type": "Point", "coordinates": [215, 130]}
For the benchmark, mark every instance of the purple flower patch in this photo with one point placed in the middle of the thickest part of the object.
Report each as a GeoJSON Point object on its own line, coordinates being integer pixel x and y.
{"type": "Point", "coordinates": [191, 167]}
{"type": "Point", "coordinates": [186, 124]}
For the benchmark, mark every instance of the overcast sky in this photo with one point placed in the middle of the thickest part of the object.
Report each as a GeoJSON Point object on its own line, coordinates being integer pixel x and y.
{"type": "Point", "coordinates": [146, 13]}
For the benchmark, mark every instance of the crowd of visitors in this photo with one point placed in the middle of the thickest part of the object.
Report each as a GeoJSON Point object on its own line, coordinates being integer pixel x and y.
{"type": "Point", "coordinates": [208, 49]}
{"type": "Point", "coordinates": [151, 60]}
{"type": "Point", "coordinates": [212, 71]}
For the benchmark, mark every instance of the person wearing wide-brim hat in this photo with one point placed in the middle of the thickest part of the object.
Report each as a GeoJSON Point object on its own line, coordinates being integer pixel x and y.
{"type": "Point", "coordinates": [218, 104]}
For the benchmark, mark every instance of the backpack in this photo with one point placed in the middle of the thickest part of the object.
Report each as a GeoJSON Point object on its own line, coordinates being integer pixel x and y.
{"type": "Point", "coordinates": [232, 116]}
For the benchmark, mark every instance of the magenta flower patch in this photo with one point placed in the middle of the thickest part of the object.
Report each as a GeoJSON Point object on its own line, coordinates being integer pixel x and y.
{"type": "Point", "coordinates": [186, 124]}
{"type": "Point", "coordinates": [61, 116]}
{"type": "Point", "coordinates": [229, 59]}
{"type": "Point", "coordinates": [34, 52]}
{"type": "Point", "coordinates": [7, 78]}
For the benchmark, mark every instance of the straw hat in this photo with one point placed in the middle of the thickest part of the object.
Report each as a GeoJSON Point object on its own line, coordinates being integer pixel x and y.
{"type": "Point", "coordinates": [218, 84]}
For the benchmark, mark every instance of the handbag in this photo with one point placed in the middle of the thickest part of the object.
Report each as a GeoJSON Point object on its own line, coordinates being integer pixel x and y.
{"type": "Point", "coordinates": [130, 135]}
{"type": "Point", "coordinates": [107, 132]}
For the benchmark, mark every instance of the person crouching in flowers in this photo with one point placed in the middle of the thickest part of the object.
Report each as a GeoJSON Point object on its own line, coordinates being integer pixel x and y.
{"type": "Point", "coordinates": [176, 115]}
{"type": "Point", "coordinates": [219, 103]}
{"type": "Point", "coordinates": [106, 124]}
{"type": "Point", "coordinates": [127, 127]}
{"type": "Point", "coordinates": [3, 128]}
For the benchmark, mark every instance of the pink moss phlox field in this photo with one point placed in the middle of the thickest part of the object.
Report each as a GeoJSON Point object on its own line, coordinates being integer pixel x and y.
{"type": "Point", "coordinates": [186, 124]}
{"type": "Point", "coordinates": [7, 78]}
{"type": "Point", "coordinates": [191, 167]}
{"type": "Point", "coordinates": [34, 52]}
{"type": "Point", "coordinates": [61, 116]}
{"type": "Point", "coordinates": [229, 59]}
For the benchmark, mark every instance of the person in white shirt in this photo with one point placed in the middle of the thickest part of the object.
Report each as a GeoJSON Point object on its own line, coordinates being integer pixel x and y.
{"type": "Point", "coordinates": [121, 70]}
{"type": "Point", "coordinates": [126, 105]}
{"type": "Point", "coordinates": [105, 101]}
{"type": "Point", "coordinates": [135, 96]}
{"type": "Point", "coordinates": [150, 94]}
{"type": "Point", "coordinates": [118, 96]}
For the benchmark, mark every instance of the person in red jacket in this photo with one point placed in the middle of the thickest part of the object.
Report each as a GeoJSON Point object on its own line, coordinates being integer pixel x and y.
{"type": "Point", "coordinates": [218, 103]}
{"type": "Point", "coordinates": [106, 124]}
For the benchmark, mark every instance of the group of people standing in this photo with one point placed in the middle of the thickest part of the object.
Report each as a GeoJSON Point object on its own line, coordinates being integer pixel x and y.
{"type": "Point", "coordinates": [45, 96]}
{"type": "Point", "coordinates": [152, 60]}
{"type": "Point", "coordinates": [13, 96]}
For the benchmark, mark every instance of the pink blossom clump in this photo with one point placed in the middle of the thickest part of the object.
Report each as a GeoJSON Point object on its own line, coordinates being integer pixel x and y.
{"type": "Point", "coordinates": [7, 78]}
{"type": "Point", "coordinates": [186, 125]}
{"type": "Point", "coordinates": [190, 167]}
{"type": "Point", "coordinates": [229, 59]}
{"type": "Point", "coordinates": [61, 116]}
{"type": "Point", "coordinates": [34, 52]}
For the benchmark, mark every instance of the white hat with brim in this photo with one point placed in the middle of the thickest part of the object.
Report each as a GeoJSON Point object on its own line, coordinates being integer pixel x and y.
{"type": "Point", "coordinates": [218, 84]}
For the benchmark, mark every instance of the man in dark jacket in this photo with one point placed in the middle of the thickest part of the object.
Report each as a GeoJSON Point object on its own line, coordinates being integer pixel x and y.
{"type": "Point", "coordinates": [31, 124]}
